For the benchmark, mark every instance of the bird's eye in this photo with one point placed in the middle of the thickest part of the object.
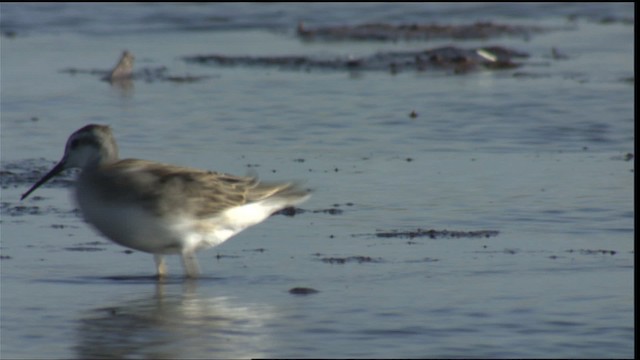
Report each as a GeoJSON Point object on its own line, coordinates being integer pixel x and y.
{"type": "Point", "coordinates": [74, 143]}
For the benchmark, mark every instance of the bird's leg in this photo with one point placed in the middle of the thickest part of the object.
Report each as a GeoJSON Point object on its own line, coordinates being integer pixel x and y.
{"type": "Point", "coordinates": [161, 268]}
{"type": "Point", "coordinates": [190, 264]}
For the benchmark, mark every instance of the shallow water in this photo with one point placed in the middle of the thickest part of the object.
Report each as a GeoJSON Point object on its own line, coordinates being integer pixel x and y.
{"type": "Point", "coordinates": [540, 153]}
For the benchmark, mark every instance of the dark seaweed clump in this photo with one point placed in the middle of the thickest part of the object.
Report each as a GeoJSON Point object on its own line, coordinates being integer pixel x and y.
{"type": "Point", "coordinates": [458, 59]}
{"type": "Point", "coordinates": [348, 259]}
{"type": "Point", "coordinates": [302, 291]}
{"type": "Point", "coordinates": [24, 173]}
{"type": "Point", "coordinates": [434, 234]}
{"type": "Point", "coordinates": [593, 252]}
{"type": "Point", "coordinates": [293, 211]}
{"type": "Point", "coordinates": [395, 32]}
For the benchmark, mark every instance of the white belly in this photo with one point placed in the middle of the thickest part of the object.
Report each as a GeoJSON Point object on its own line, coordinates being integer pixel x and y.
{"type": "Point", "coordinates": [136, 228]}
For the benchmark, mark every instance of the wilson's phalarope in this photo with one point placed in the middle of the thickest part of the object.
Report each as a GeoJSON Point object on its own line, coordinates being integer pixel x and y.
{"type": "Point", "coordinates": [164, 209]}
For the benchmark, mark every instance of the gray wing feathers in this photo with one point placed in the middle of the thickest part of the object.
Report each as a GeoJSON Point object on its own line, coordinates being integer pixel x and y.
{"type": "Point", "coordinates": [164, 188]}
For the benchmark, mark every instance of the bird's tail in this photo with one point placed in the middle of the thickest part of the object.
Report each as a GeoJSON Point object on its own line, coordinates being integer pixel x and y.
{"type": "Point", "coordinates": [280, 195]}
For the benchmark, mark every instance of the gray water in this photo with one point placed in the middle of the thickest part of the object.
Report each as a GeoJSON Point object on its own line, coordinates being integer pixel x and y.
{"type": "Point", "coordinates": [540, 153]}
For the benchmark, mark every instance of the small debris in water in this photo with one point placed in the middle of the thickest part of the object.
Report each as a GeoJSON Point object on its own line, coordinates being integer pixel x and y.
{"type": "Point", "coordinates": [19, 210]}
{"type": "Point", "coordinates": [83, 248]}
{"type": "Point", "coordinates": [558, 55]}
{"type": "Point", "coordinates": [9, 34]}
{"type": "Point", "coordinates": [625, 157]}
{"type": "Point", "coordinates": [593, 252]}
{"type": "Point", "coordinates": [303, 291]}
{"type": "Point", "coordinates": [289, 211]}
{"type": "Point", "coordinates": [26, 172]}
{"type": "Point", "coordinates": [293, 211]}
{"type": "Point", "coordinates": [433, 234]}
{"type": "Point", "coordinates": [343, 260]}
{"type": "Point", "coordinates": [220, 256]}
{"type": "Point", "coordinates": [329, 211]}
{"type": "Point", "coordinates": [424, 260]}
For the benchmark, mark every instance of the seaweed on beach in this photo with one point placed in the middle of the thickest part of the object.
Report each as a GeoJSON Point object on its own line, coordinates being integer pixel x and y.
{"type": "Point", "coordinates": [458, 59]}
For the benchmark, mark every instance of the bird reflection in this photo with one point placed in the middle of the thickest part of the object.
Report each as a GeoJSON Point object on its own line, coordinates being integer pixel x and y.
{"type": "Point", "coordinates": [182, 325]}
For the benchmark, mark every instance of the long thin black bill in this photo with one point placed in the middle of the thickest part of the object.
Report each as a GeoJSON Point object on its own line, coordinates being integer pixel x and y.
{"type": "Point", "coordinates": [53, 172]}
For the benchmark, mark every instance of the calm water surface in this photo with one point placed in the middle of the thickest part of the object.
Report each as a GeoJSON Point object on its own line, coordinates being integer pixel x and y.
{"type": "Point", "coordinates": [541, 153]}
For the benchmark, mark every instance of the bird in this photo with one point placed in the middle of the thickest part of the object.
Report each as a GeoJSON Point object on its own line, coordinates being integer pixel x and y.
{"type": "Point", "coordinates": [123, 69]}
{"type": "Point", "coordinates": [164, 209]}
